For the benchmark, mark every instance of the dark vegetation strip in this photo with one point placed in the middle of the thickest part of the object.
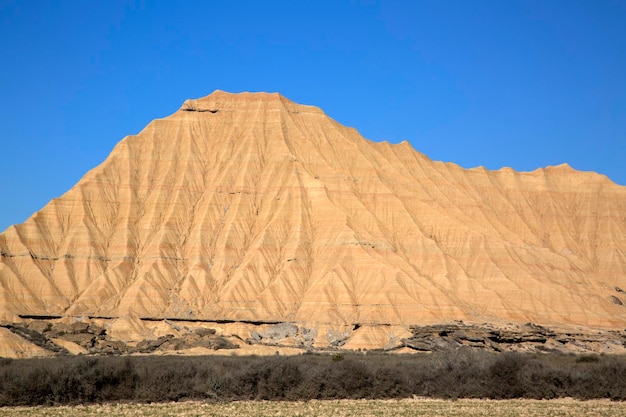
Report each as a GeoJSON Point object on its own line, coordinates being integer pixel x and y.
{"type": "Point", "coordinates": [455, 374]}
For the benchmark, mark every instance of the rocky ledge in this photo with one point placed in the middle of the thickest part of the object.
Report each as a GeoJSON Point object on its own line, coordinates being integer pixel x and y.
{"type": "Point", "coordinates": [526, 338]}
{"type": "Point", "coordinates": [91, 339]}
{"type": "Point", "coordinates": [104, 337]}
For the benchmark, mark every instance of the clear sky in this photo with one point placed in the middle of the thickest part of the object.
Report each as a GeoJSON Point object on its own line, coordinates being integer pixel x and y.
{"type": "Point", "coordinates": [524, 84]}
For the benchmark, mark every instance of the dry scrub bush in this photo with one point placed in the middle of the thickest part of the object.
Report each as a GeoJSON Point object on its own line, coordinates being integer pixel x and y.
{"type": "Point", "coordinates": [459, 373]}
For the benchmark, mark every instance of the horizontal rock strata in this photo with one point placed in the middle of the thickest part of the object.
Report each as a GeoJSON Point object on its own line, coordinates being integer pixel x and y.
{"type": "Point", "coordinates": [249, 208]}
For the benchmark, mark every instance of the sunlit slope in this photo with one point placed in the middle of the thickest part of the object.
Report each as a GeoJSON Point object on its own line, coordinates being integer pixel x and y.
{"type": "Point", "coordinates": [251, 207]}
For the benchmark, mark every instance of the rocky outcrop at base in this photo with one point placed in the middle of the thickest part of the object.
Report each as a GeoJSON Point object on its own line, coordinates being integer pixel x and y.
{"type": "Point", "coordinates": [114, 336]}
{"type": "Point", "coordinates": [527, 338]}
{"type": "Point", "coordinates": [88, 338]}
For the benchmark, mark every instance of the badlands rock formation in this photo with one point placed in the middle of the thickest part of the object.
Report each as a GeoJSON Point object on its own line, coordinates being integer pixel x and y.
{"type": "Point", "coordinates": [249, 209]}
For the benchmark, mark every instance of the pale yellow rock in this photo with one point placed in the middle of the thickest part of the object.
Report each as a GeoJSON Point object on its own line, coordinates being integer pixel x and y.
{"type": "Point", "coordinates": [242, 330]}
{"type": "Point", "coordinates": [377, 337]}
{"type": "Point", "coordinates": [261, 350]}
{"type": "Point", "coordinates": [406, 351]}
{"type": "Point", "coordinates": [251, 207]}
{"type": "Point", "coordinates": [159, 329]}
{"type": "Point", "coordinates": [15, 347]}
{"type": "Point", "coordinates": [129, 329]}
{"type": "Point", "coordinates": [331, 334]}
{"type": "Point", "coordinates": [71, 347]}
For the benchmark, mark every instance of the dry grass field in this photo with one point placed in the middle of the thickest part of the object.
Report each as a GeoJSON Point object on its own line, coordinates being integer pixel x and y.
{"type": "Point", "coordinates": [339, 408]}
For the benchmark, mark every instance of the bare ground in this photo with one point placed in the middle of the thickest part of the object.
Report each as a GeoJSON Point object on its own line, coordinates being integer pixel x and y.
{"type": "Point", "coordinates": [340, 408]}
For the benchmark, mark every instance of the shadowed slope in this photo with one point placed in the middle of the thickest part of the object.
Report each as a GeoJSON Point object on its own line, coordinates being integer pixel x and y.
{"type": "Point", "coordinates": [251, 207]}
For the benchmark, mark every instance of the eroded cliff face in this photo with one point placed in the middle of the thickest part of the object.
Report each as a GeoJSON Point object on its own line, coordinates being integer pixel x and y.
{"type": "Point", "coordinates": [251, 207]}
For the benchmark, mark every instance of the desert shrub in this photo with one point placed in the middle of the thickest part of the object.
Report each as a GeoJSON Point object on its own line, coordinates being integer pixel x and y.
{"type": "Point", "coordinates": [347, 379]}
{"type": "Point", "coordinates": [603, 379]}
{"type": "Point", "coordinates": [278, 379]}
{"type": "Point", "coordinates": [587, 358]}
{"type": "Point", "coordinates": [452, 374]}
{"type": "Point", "coordinates": [455, 374]}
{"type": "Point", "coordinates": [389, 382]}
{"type": "Point", "coordinates": [67, 381]}
{"type": "Point", "coordinates": [505, 376]}
{"type": "Point", "coordinates": [314, 379]}
{"type": "Point", "coordinates": [165, 383]}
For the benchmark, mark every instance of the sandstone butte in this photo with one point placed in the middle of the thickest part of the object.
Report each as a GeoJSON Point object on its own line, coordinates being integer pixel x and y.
{"type": "Point", "coordinates": [248, 208]}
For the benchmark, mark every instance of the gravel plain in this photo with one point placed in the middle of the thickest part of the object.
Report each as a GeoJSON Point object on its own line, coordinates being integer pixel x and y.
{"type": "Point", "coordinates": [340, 408]}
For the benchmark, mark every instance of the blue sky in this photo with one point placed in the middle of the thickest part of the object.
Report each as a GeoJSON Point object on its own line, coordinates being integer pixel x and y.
{"type": "Point", "coordinates": [524, 84]}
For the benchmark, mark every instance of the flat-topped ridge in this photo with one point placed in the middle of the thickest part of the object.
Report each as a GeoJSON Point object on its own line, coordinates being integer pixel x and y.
{"type": "Point", "coordinates": [224, 101]}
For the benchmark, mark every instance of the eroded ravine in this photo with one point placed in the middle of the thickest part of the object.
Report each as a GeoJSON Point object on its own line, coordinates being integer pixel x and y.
{"type": "Point", "coordinates": [249, 207]}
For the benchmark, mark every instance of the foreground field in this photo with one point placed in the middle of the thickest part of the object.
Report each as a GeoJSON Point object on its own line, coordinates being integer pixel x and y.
{"type": "Point", "coordinates": [340, 408]}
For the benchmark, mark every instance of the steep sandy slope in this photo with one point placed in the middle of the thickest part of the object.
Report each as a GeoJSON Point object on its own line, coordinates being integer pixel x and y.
{"type": "Point", "coordinates": [15, 347]}
{"type": "Point", "coordinates": [251, 207]}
